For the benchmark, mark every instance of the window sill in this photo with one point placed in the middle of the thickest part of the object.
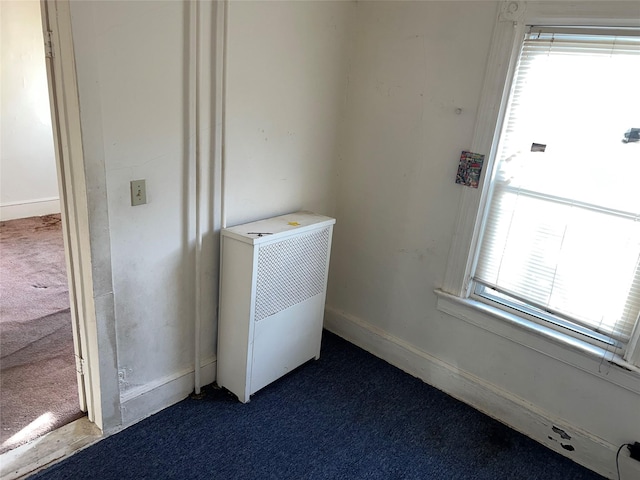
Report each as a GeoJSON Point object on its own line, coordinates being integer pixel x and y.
{"type": "Point", "coordinates": [547, 341]}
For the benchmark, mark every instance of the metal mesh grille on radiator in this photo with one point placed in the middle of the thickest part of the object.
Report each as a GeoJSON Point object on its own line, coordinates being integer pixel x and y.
{"type": "Point", "coordinates": [290, 271]}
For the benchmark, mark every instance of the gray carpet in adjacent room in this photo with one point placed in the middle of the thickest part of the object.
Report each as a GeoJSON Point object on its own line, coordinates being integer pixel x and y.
{"type": "Point", "coordinates": [38, 386]}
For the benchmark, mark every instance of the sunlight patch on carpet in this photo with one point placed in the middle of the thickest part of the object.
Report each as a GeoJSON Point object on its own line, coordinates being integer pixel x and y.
{"type": "Point", "coordinates": [43, 423]}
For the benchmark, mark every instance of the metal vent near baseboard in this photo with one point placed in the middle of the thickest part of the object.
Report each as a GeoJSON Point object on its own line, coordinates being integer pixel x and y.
{"type": "Point", "coordinates": [290, 272]}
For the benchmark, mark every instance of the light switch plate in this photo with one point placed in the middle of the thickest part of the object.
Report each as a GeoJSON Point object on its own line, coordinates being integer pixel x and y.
{"type": "Point", "coordinates": [138, 192]}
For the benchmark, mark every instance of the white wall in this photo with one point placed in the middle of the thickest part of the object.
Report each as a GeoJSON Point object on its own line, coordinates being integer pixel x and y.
{"type": "Point", "coordinates": [335, 107]}
{"type": "Point", "coordinates": [412, 64]}
{"type": "Point", "coordinates": [286, 83]}
{"type": "Point", "coordinates": [28, 179]}
{"type": "Point", "coordinates": [286, 77]}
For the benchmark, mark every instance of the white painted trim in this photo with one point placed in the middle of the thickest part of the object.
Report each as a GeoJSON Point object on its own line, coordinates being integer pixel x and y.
{"type": "Point", "coordinates": [221, 74]}
{"type": "Point", "coordinates": [29, 208]}
{"type": "Point", "coordinates": [589, 450]}
{"type": "Point", "coordinates": [74, 209]}
{"type": "Point", "coordinates": [145, 400]}
{"type": "Point", "coordinates": [547, 341]}
{"type": "Point", "coordinates": [596, 13]}
{"type": "Point", "coordinates": [195, 141]}
{"type": "Point", "coordinates": [488, 121]}
{"type": "Point", "coordinates": [632, 355]}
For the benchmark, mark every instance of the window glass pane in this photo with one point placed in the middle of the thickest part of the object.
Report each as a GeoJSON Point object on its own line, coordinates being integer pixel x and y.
{"type": "Point", "coordinates": [563, 226]}
{"type": "Point", "coordinates": [579, 106]}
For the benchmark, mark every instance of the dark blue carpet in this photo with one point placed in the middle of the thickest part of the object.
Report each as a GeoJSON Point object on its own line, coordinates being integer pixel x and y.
{"type": "Point", "coordinates": [347, 415]}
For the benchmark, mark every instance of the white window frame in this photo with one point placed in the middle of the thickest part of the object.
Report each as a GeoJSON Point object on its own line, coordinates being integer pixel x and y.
{"type": "Point", "coordinates": [454, 297]}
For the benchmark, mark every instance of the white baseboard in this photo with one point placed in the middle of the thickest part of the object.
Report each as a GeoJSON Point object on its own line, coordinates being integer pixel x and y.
{"type": "Point", "coordinates": [146, 400]}
{"type": "Point", "coordinates": [32, 208]}
{"type": "Point", "coordinates": [587, 449]}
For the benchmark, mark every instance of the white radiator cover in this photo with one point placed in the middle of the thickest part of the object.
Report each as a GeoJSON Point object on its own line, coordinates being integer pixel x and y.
{"type": "Point", "coordinates": [272, 295]}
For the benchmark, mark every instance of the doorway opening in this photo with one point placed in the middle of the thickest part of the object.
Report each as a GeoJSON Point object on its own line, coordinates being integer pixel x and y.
{"type": "Point", "coordinates": [39, 381]}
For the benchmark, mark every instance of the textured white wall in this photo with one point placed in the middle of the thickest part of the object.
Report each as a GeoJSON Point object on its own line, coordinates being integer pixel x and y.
{"type": "Point", "coordinates": [286, 80]}
{"type": "Point", "coordinates": [132, 64]}
{"type": "Point", "coordinates": [28, 179]}
{"type": "Point", "coordinates": [412, 64]}
{"type": "Point", "coordinates": [285, 89]}
{"type": "Point", "coordinates": [343, 109]}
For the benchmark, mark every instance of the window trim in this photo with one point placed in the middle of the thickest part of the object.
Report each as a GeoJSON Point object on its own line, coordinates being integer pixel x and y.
{"type": "Point", "coordinates": [513, 18]}
{"type": "Point", "coordinates": [549, 320]}
{"type": "Point", "coordinates": [543, 340]}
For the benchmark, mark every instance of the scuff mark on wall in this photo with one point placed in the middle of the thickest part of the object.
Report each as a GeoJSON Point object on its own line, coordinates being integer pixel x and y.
{"type": "Point", "coordinates": [564, 435]}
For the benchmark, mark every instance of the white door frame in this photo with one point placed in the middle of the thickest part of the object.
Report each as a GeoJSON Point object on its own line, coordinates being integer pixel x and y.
{"type": "Point", "coordinates": [65, 113]}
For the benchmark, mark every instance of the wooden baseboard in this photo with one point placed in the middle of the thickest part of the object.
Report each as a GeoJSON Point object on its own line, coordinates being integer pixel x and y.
{"type": "Point", "coordinates": [146, 400]}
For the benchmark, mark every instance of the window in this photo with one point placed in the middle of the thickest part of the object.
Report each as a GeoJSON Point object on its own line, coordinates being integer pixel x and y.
{"type": "Point", "coordinates": [552, 237]}
{"type": "Point", "coordinates": [561, 236]}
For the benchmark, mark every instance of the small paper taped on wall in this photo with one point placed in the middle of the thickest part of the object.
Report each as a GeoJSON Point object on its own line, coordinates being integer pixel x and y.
{"type": "Point", "coordinates": [469, 169]}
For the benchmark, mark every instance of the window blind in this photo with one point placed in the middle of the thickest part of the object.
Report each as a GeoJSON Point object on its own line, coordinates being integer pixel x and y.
{"type": "Point", "coordinates": [562, 228]}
